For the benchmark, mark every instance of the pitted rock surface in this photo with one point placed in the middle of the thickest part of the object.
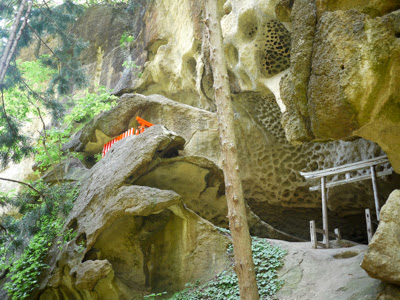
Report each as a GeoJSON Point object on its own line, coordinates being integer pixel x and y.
{"type": "Point", "coordinates": [270, 169]}
{"type": "Point", "coordinates": [276, 48]}
{"type": "Point", "coordinates": [257, 45]}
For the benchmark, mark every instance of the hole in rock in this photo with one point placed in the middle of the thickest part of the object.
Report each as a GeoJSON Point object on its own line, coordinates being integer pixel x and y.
{"type": "Point", "coordinates": [73, 225]}
{"type": "Point", "coordinates": [191, 63]}
{"type": "Point", "coordinates": [173, 152]}
{"type": "Point", "coordinates": [143, 250]}
{"type": "Point", "coordinates": [232, 55]}
{"type": "Point", "coordinates": [92, 254]}
{"type": "Point", "coordinates": [81, 240]}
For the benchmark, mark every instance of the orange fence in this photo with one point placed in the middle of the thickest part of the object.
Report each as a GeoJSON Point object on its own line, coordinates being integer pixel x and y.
{"type": "Point", "coordinates": [142, 125]}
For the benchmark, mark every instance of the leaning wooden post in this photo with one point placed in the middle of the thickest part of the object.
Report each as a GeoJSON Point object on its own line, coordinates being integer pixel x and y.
{"type": "Point", "coordinates": [375, 188]}
{"type": "Point", "coordinates": [324, 212]}
{"type": "Point", "coordinates": [238, 225]}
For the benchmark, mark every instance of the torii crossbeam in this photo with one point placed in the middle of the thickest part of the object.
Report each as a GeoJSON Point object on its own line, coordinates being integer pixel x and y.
{"type": "Point", "coordinates": [349, 178]}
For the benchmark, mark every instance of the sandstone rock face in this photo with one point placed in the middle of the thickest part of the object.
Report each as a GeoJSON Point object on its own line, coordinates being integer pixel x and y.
{"type": "Point", "coordinates": [295, 87]}
{"type": "Point", "coordinates": [103, 60]}
{"type": "Point", "coordinates": [269, 165]}
{"type": "Point", "coordinates": [382, 259]}
{"type": "Point", "coordinates": [257, 52]}
{"type": "Point", "coordinates": [197, 126]}
{"type": "Point", "coordinates": [174, 66]}
{"type": "Point", "coordinates": [257, 45]}
{"type": "Point", "coordinates": [370, 7]}
{"type": "Point", "coordinates": [204, 193]}
{"type": "Point", "coordinates": [270, 169]}
{"type": "Point", "coordinates": [348, 84]}
{"type": "Point", "coordinates": [131, 239]}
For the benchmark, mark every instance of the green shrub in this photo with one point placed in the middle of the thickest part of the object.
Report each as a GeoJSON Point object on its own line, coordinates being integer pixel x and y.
{"type": "Point", "coordinates": [25, 241]}
{"type": "Point", "coordinates": [82, 109]}
{"type": "Point", "coordinates": [267, 260]}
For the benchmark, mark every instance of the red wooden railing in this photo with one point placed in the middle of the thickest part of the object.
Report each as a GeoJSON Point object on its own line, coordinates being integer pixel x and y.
{"type": "Point", "coordinates": [142, 125]}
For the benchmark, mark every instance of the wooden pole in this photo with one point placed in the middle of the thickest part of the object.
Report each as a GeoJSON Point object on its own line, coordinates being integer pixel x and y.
{"type": "Point", "coordinates": [324, 212]}
{"type": "Point", "coordinates": [369, 224]}
{"type": "Point", "coordinates": [313, 235]}
{"type": "Point", "coordinates": [375, 188]}
{"type": "Point", "coordinates": [238, 225]}
{"type": "Point", "coordinates": [337, 234]}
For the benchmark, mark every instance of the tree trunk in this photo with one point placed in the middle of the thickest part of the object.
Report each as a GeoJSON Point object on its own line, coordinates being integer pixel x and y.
{"type": "Point", "coordinates": [14, 38]}
{"type": "Point", "coordinates": [244, 265]}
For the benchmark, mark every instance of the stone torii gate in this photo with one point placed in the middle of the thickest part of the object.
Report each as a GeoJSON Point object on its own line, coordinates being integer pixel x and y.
{"type": "Point", "coordinates": [349, 177]}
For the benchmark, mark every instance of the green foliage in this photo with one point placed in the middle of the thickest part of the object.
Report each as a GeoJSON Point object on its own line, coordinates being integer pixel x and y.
{"type": "Point", "coordinates": [55, 21]}
{"type": "Point", "coordinates": [267, 260]}
{"type": "Point", "coordinates": [19, 109]}
{"type": "Point", "coordinates": [26, 269]}
{"type": "Point", "coordinates": [98, 157]}
{"type": "Point", "coordinates": [85, 108]}
{"type": "Point", "coordinates": [82, 109]}
{"type": "Point", "coordinates": [154, 295]}
{"type": "Point", "coordinates": [25, 241]}
{"type": "Point", "coordinates": [132, 65]}
{"type": "Point", "coordinates": [45, 20]}
{"type": "Point", "coordinates": [126, 40]}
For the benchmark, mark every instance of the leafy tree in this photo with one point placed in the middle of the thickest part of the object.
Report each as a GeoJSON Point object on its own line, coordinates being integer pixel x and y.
{"type": "Point", "coordinates": [32, 24]}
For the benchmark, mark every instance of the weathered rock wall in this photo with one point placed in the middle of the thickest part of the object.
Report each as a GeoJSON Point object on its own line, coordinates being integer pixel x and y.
{"type": "Point", "coordinates": [131, 240]}
{"type": "Point", "coordinates": [260, 45]}
{"type": "Point", "coordinates": [269, 165]}
{"type": "Point", "coordinates": [382, 260]}
{"type": "Point", "coordinates": [347, 86]}
{"type": "Point", "coordinates": [102, 27]}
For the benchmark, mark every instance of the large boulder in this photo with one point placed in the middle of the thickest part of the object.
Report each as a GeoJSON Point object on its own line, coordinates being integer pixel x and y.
{"type": "Point", "coordinates": [131, 240]}
{"type": "Point", "coordinates": [382, 259]}
{"type": "Point", "coordinates": [197, 126]}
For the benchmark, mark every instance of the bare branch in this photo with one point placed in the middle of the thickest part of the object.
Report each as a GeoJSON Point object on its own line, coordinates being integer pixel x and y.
{"type": "Point", "coordinates": [24, 183]}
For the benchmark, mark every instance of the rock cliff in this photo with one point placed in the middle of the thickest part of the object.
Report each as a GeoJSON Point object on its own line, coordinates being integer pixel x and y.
{"type": "Point", "coordinates": [314, 85]}
{"type": "Point", "coordinates": [261, 49]}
